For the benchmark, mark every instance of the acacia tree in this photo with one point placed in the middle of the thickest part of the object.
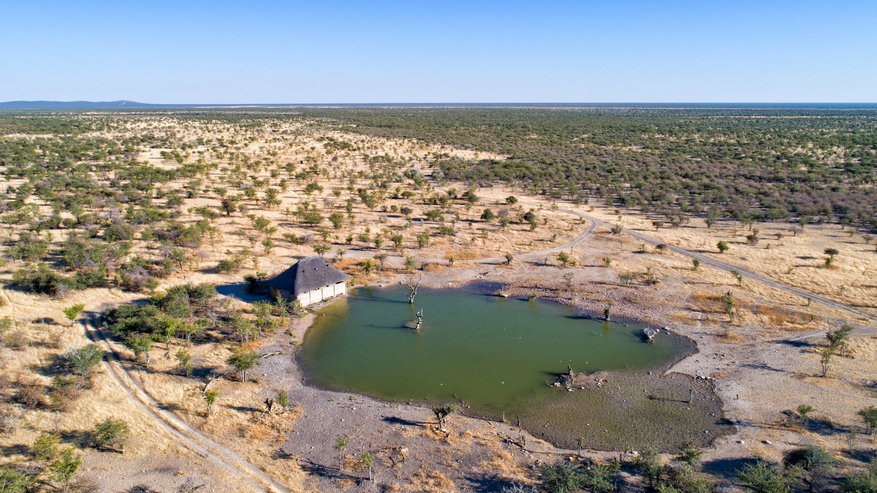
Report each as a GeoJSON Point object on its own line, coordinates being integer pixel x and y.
{"type": "Point", "coordinates": [72, 312]}
{"type": "Point", "coordinates": [209, 399]}
{"type": "Point", "coordinates": [442, 413]}
{"type": "Point", "coordinates": [722, 246]}
{"type": "Point", "coordinates": [563, 257]}
{"type": "Point", "coordinates": [244, 360]}
{"type": "Point", "coordinates": [140, 344]}
{"type": "Point", "coordinates": [831, 252]}
{"type": "Point", "coordinates": [869, 416]}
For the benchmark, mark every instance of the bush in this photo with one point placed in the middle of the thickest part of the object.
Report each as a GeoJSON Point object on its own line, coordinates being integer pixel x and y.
{"type": "Point", "coordinates": [815, 462]}
{"type": "Point", "coordinates": [864, 482]}
{"type": "Point", "coordinates": [230, 265]}
{"type": "Point", "coordinates": [118, 232]}
{"type": "Point", "coordinates": [762, 477]}
{"type": "Point", "coordinates": [43, 280]}
{"type": "Point", "coordinates": [110, 434]}
{"type": "Point", "coordinates": [14, 481]}
{"type": "Point", "coordinates": [82, 360]}
{"type": "Point", "coordinates": [45, 447]}
{"type": "Point", "coordinates": [127, 319]}
{"type": "Point", "coordinates": [562, 477]}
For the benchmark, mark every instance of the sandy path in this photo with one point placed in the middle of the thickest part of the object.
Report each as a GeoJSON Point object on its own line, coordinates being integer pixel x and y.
{"type": "Point", "coordinates": [202, 445]}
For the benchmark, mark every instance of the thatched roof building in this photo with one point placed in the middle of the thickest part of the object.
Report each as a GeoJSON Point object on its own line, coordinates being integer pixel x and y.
{"type": "Point", "coordinates": [310, 280]}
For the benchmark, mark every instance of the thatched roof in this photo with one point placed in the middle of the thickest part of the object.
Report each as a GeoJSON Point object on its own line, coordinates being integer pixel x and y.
{"type": "Point", "coordinates": [306, 275]}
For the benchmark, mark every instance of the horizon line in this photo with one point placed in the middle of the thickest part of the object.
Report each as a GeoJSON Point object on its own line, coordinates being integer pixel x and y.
{"type": "Point", "coordinates": [131, 103]}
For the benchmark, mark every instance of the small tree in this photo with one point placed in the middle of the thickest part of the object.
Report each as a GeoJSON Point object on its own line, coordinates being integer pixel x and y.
{"type": "Point", "coordinates": [762, 477]}
{"type": "Point", "coordinates": [72, 312]}
{"type": "Point", "coordinates": [366, 460]}
{"type": "Point", "coordinates": [184, 361]}
{"type": "Point", "coordinates": [283, 399]}
{"type": "Point", "coordinates": [728, 300]}
{"type": "Point", "coordinates": [340, 444]}
{"type": "Point", "coordinates": [570, 285]}
{"type": "Point", "coordinates": [869, 416]}
{"type": "Point", "coordinates": [648, 463]}
{"type": "Point", "coordinates": [563, 257]}
{"type": "Point", "coordinates": [244, 360]}
{"type": "Point", "coordinates": [209, 398]}
{"type": "Point", "coordinates": [321, 249]}
{"type": "Point", "coordinates": [838, 338]}
{"type": "Point", "coordinates": [722, 246]}
{"type": "Point", "coordinates": [696, 264]}
{"type": "Point", "coordinates": [140, 344]}
{"type": "Point", "coordinates": [606, 312]}
{"type": "Point", "coordinates": [442, 413]}
{"type": "Point", "coordinates": [802, 413]}
{"type": "Point", "coordinates": [831, 252]}
{"type": "Point", "coordinates": [737, 276]}
{"type": "Point", "coordinates": [509, 258]}
{"type": "Point", "coordinates": [690, 454]}
{"type": "Point", "coordinates": [110, 434]}
{"type": "Point", "coordinates": [815, 462]}
{"type": "Point", "coordinates": [825, 355]}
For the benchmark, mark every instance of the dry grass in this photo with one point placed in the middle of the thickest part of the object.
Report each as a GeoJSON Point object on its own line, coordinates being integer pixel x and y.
{"type": "Point", "coordinates": [430, 480]}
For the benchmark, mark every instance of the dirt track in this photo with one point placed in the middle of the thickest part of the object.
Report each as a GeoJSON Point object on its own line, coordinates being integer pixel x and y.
{"type": "Point", "coordinates": [220, 455]}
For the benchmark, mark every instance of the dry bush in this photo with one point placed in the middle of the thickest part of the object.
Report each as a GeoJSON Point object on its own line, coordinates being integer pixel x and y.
{"type": "Point", "coordinates": [10, 416]}
{"type": "Point", "coordinates": [82, 484]}
{"type": "Point", "coordinates": [433, 267]}
{"type": "Point", "coordinates": [16, 339]}
{"type": "Point", "coordinates": [729, 337]}
{"type": "Point", "coordinates": [779, 316]}
{"type": "Point", "coordinates": [67, 390]}
{"type": "Point", "coordinates": [30, 394]}
{"type": "Point", "coordinates": [429, 481]}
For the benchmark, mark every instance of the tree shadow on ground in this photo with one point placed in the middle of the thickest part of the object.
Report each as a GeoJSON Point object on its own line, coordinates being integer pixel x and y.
{"type": "Point", "coordinates": [488, 482]}
{"type": "Point", "coordinates": [327, 472]}
{"type": "Point", "coordinates": [82, 439]}
{"type": "Point", "coordinates": [762, 366]}
{"type": "Point", "coordinates": [864, 456]}
{"type": "Point", "coordinates": [395, 420]}
{"type": "Point", "coordinates": [726, 468]}
{"type": "Point", "coordinates": [18, 449]}
{"type": "Point", "coordinates": [239, 291]}
{"type": "Point", "coordinates": [141, 488]}
{"type": "Point", "coordinates": [797, 344]}
{"type": "Point", "coordinates": [56, 367]}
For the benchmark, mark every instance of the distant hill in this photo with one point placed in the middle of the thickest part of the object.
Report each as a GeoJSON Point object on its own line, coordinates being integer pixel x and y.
{"type": "Point", "coordinates": [69, 105]}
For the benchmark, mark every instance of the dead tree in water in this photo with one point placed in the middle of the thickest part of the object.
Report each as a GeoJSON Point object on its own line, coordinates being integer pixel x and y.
{"type": "Point", "coordinates": [419, 319]}
{"type": "Point", "coordinates": [412, 291]}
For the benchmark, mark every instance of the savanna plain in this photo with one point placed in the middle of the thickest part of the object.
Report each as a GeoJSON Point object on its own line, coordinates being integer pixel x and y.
{"type": "Point", "coordinates": [140, 350]}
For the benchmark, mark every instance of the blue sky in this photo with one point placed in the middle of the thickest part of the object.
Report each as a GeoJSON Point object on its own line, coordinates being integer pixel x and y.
{"type": "Point", "coordinates": [439, 52]}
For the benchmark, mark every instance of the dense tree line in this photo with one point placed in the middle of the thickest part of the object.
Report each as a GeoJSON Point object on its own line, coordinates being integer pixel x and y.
{"type": "Point", "coordinates": [740, 163]}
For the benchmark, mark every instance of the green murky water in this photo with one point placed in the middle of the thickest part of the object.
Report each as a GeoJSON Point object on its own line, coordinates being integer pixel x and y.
{"type": "Point", "coordinates": [497, 356]}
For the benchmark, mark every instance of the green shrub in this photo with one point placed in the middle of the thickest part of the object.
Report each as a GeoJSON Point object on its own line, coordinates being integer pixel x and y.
{"type": "Point", "coordinates": [110, 434]}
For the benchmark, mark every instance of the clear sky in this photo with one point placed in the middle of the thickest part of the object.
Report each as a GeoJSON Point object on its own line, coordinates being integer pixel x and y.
{"type": "Point", "coordinates": [265, 51]}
